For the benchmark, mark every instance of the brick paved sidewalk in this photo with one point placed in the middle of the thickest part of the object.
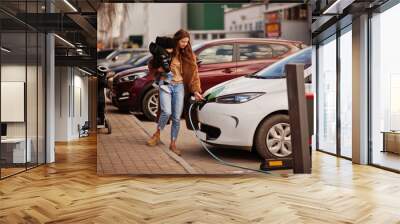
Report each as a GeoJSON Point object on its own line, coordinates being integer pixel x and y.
{"type": "Point", "coordinates": [124, 151]}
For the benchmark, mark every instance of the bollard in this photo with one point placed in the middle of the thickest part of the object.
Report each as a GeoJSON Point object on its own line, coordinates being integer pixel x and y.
{"type": "Point", "coordinates": [298, 118]}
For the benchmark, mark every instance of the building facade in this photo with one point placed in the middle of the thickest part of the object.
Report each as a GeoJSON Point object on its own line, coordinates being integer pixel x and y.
{"type": "Point", "coordinates": [249, 19]}
{"type": "Point", "coordinates": [288, 21]}
{"type": "Point", "coordinates": [144, 21]}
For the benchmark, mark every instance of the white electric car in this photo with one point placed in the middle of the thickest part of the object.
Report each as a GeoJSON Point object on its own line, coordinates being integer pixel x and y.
{"type": "Point", "coordinates": [252, 111]}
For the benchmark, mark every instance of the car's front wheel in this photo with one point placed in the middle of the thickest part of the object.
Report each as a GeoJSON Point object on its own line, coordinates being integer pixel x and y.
{"type": "Point", "coordinates": [150, 104]}
{"type": "Point", "coordinates": [272, 138]}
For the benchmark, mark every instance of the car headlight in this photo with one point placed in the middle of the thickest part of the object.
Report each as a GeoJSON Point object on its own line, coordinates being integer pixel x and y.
{"type": "Point", "coordinates": [238, 97]}
{"type": "Point", "coordinates": [133, 77]}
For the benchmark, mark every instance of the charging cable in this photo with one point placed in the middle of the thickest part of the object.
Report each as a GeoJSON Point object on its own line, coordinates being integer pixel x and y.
{"type": "Point", "coordinates": [212, 154]}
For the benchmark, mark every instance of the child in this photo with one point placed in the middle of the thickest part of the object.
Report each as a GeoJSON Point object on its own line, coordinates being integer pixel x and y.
{"type": "Point", "coordinates": [161, 50]}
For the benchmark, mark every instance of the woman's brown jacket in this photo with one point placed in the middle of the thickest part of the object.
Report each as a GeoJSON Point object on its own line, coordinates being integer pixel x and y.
{"type": "Point", "coordinates": [190, 74]}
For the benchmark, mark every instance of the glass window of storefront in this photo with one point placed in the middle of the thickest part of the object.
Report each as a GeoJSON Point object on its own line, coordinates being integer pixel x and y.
{"type": "Point", "coordinates": [22, 78]}
{"type": "Point", "coordinates": [346, 72]}
{"type": "Point", "coordinates": [385, 89]}
{"type": "Point", "coordinates": [334, 57]}
{"type": "Point", "coordinates": [326, 107]}
{"type": "Point", "coordinates": [334, 95]}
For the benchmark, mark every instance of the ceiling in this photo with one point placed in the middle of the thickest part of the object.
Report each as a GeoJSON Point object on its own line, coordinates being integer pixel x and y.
{"type": "Point", "coordinates": [74, 22]}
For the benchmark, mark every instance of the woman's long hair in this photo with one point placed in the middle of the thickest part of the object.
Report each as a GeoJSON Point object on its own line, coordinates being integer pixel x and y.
{"type": "Point", "coordinates": [187, 52]}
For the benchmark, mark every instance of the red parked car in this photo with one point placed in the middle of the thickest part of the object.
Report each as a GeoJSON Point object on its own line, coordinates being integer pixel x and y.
{"type": "Point", "coordinates": [218, 61]}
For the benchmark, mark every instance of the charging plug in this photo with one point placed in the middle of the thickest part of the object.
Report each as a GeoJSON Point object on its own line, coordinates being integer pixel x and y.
{"type": "Point", "coordinates": [198, 102]}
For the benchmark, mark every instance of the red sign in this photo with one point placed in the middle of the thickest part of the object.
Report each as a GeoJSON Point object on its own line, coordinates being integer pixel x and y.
{"type": "Point", "coordinates": [273, 30]}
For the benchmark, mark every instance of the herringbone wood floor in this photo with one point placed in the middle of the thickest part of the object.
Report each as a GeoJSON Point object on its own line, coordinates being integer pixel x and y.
{"type": "Point", "coordinates": [70, 192]}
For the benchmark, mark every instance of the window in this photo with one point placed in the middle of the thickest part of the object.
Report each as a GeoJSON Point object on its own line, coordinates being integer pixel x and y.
{"type": "Point", "coordinates": [251, 26]}
{"type": "Point", "coordinates": [204, 36]}
{"type": "Point", "coordinates": [279, 50]}
{"type": "Point", "coordinates": [334, 95]}
{"type": "Point", "coordinates": [277, 70]}
{"type": "Point", "coordinates": [303, 14]}
{"type": "Point", "coordinates": [385, 89]}
{"type": "Point", "coordinates": [346, 74]}
{"type": "Point", "coordinates": [296, 13]}
{"type": "Point", "coordinates": [142, 61]}
{"type": "Point", "coordinates": [214, 36]}
{"type": "Point", "coordinates": [217, 54]}
{"type": "Point", "coordinates": [259, 25]}
{"type": "Point", "coordinates": [22, 87]}
{"type": "Point", "coordinates": [222, 36]}
{"type": "Point", "coordinates": [122, 57]}
{"type": "Point", "coordinates": [255, 51]}
{"type": "Point", "coordinates": [327, 116]}
{"type": "Point", "coordinates": [197, 36]}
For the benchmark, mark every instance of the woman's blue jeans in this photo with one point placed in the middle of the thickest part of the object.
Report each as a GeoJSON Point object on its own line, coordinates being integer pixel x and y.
{"type": "Point", "coordinates": [171, 106]}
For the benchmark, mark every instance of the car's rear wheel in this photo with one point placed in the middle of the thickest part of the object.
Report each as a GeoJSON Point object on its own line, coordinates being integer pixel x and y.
{"type": "Point", "coordinates": [272, 138]}
{"type": "Point", "coordinates": [150, 104]}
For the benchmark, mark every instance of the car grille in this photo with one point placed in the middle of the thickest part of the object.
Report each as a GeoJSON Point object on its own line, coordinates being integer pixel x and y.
{"type": "Point", "coordinates": [211, 132]}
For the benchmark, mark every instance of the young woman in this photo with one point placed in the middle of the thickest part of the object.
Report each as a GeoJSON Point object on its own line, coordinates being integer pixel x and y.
{"type": "Point", "coordinates": [185, 81]}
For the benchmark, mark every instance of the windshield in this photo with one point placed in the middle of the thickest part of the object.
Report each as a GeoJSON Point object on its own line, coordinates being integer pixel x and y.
{"type": "Point", "coordinates": [136, 57]}
{"type": "Point", "coordinates": [111, 55]}
{"type": "Point", "coordinates": [142, 61]}
{"type": "Point", "coordinates": [277, 69]}
{"type": "Point", "coordinates": [196, 47]}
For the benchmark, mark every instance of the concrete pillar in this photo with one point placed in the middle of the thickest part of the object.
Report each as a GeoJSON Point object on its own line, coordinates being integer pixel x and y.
{"type": "Point", "coordinates": [360, 90]}
{"type": "Point", "coordinates": [50, 91]}
{"type": "Point", "coordinates": [50, 98]}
